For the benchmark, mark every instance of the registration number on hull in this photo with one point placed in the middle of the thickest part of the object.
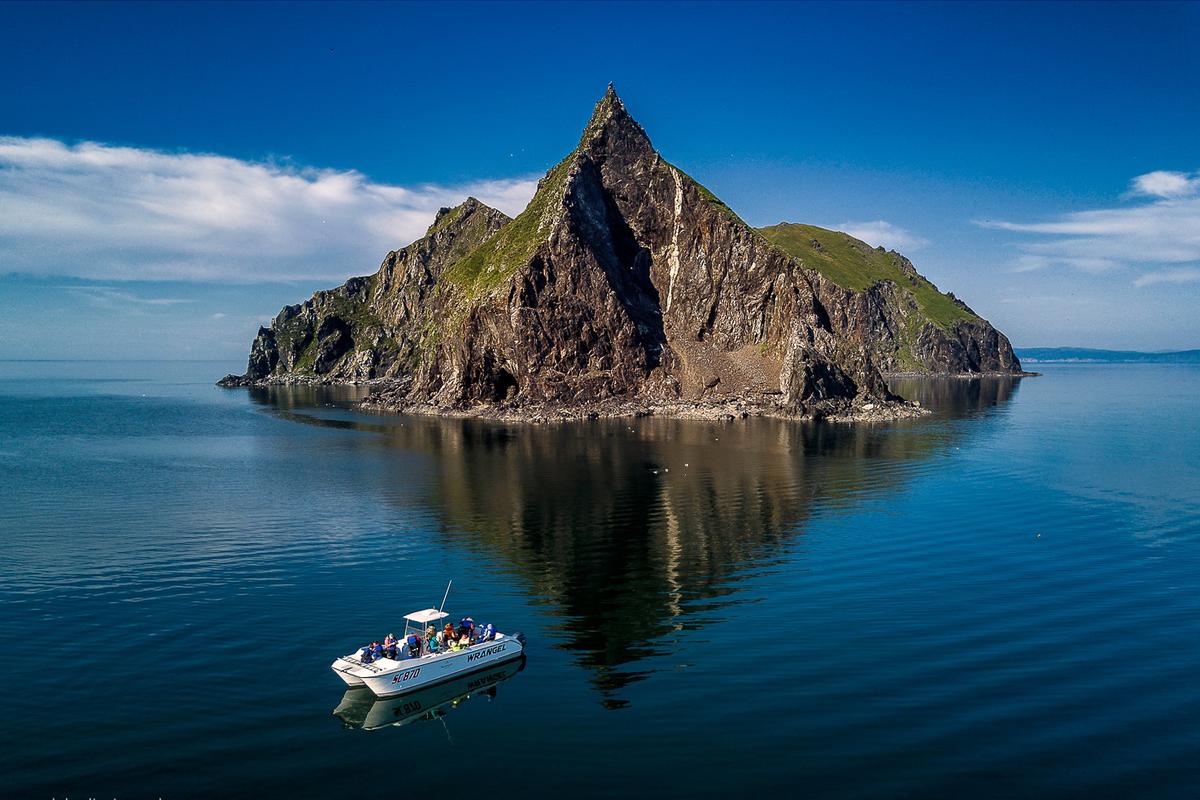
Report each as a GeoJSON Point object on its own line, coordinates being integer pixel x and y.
{"type": "Point", "coordinates": [406, 676]}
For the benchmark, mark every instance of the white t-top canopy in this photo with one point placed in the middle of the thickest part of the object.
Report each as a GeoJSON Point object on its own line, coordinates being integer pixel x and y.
{"type": "Point", "coordinates": [425, 617]}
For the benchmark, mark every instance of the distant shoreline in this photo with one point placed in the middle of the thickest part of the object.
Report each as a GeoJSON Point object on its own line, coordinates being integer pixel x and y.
{"type": "Point", "coordinates": [962, 375]}
{"type": "Point", "coordinates": [1102, 361]}
{"type": "Point", "coordinates": [1086, 355]}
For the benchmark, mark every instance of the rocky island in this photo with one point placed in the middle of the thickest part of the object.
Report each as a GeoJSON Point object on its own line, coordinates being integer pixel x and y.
{"type": "Point", "coordinates": [627, 288]}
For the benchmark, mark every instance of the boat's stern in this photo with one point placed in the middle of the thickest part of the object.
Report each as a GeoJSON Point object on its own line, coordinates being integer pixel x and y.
{"type": "Point", "coordinates": [345, 670]}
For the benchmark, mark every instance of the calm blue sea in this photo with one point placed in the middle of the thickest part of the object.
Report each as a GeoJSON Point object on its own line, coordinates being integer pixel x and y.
{"type": "Point", "coordinates": [996, 601]}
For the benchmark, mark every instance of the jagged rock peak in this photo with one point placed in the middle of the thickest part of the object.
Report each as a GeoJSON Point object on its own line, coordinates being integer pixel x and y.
{"type": "Point", "coordinates": [611, 122]}
{"type": "Point", "coordinates": [459, 213]}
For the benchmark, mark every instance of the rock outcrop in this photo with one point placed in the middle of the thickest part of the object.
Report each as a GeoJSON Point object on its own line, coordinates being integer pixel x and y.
{"type": "Point", "coordinates": [624, 285]}
{"type": "Point", "coordinates": [877, 299]}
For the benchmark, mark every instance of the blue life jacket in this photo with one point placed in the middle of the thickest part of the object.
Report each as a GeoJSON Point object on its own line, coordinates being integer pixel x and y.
{"type": "Point", "coordinates": [366, 656]}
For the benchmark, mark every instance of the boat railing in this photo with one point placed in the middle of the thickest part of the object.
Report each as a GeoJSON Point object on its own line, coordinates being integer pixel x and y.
{"type": "Point", "coordinates": [353, 658]}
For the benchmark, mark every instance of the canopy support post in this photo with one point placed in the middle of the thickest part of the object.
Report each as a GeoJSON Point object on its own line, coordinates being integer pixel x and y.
{"type": "Point", "coordinates": [447, 594]}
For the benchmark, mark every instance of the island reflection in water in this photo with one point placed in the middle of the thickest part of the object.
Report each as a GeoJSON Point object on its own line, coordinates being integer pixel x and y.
{"type": "Point", "coordinates": [634, 530]}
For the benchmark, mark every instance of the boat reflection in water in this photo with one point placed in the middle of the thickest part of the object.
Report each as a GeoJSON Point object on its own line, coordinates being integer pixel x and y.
{"type": "Point", "coordinates": [361, 709]}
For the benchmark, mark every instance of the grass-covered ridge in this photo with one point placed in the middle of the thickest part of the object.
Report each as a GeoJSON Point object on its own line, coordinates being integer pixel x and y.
{"type": "Point", "coordinates": [856, 265]}
{"type": "Point", "coordinates": [489, 264]}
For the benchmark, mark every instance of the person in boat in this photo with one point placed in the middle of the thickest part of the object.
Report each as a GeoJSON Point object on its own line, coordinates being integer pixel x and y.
{"type": "Point", "coordinates": [367, 655]}
{"type": "Point", "coordinates": [466, 628]}
{"type": "Point", "coordinates": [414, 645]}
{"type": "Point", "coordinates": [449, 636]}
{"type": "Point", "coordinates": [376, 650]}
{"type": "Point", "coordinates": [487, 633]}
{"type": "Point", "coordinates": [389, 646]}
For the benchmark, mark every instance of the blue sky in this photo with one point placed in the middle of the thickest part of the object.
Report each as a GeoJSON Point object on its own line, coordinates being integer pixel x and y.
{"type": "Point", "coordinates": [172, 174]}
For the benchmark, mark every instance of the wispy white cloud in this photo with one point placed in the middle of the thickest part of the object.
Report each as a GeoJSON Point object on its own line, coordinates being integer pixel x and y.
{"type": "Point", "coordinates": [1049, 299]}
{"type": "Point", "coordinates": [1031, 262]}
{"type": "Point", "coordinates": [1176, 275]}
{"type": "Point", "coordinates": [100, 212]}
{"type": "Point", "coordinates": [881, 233]}
{"type": "Point", "coordinates": [108, 297]}
{"type": "Point", "coordinates": [1162, 183]}
{"type": "Point", "coordinates": [1161, 231]}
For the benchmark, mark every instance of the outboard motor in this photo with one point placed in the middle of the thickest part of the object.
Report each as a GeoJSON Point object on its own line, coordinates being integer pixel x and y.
{"type": "Point", "coordinates": [520, 637]}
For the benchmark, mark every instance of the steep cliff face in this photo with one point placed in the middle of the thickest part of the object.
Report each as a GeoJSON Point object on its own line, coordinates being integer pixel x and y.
{"type": "Point", "coordinates": [373, 327]}
{"type": "Point", "coordinates": [623, 280]}
{"type": "Point", "coordinates": [877, 299]}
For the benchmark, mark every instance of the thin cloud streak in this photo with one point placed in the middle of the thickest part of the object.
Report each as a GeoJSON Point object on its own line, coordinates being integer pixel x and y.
{"type": "Point", "coordinates": [108, 297]}
{"type": "Point", "coordinates": [1177, 275]}
{"type": "Point", "coordinates": [1164, 231]}
{"type": "Point", "coordinates": [881, 233]}
{"type": "Point", "coordinates": [119, 213]}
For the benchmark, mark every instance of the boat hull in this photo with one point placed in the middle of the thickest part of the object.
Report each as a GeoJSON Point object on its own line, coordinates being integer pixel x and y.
{"type": "Point", "coordinates": [341, 667]}
{"type": "Point", "coordinates": [387, 678]}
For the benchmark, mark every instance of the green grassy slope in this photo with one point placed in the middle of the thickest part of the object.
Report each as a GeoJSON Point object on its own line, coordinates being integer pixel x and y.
{"type": "Point", "coordinates": [486, 267]}
{"type": "Point", "coordinates": [856, 265]}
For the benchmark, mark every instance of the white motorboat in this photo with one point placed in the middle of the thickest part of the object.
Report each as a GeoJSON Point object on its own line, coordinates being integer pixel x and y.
{"type": "Point", "coordinates": [414, 666]}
